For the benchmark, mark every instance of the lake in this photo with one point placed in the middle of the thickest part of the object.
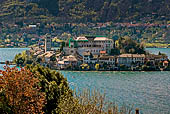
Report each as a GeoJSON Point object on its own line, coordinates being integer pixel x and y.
{"type": "Point", "coordinates": [148, 91]}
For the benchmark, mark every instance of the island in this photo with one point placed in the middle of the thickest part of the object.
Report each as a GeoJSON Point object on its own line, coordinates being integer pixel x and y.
{"type": "Point", "coordinates": [95, 53]}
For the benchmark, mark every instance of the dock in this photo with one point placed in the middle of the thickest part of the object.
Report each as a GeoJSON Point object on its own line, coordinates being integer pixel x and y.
{"type": "Point", "coordinates": [7, 62]}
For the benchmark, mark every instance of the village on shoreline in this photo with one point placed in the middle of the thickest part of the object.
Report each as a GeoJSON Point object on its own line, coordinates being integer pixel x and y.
{"type": "Point", "coordinates": [90, 53]}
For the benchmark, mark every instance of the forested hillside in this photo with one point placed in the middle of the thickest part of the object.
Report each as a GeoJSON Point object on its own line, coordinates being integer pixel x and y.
{"type": "Point", "coordinates": [89, 10]}
{"type": "Point", "coordinates": [114, 10]}
{"type": "Point", "coordinates": [146, 21]}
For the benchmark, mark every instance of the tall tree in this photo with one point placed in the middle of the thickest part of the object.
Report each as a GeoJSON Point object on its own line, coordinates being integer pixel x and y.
{"type": "Point", "coordinates": [54, 85]}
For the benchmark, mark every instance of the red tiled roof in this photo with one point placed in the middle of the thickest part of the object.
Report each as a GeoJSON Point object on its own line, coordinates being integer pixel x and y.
{"type": "Point", "coordinates": [102, 52]}
{"type": "Point", "coordinates": [166, 62]}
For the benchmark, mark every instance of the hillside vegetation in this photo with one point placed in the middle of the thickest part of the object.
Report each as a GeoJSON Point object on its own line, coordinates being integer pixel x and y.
{"type": "Point", "coordinates": [87, 10]}
{"type": "Point", "coordinates": [146, 21]}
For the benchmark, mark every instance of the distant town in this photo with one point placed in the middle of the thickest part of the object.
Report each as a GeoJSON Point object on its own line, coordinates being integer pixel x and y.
{"type": "Point", "coordinates": [91, 53]}
{"type": "Point", "coordinates": [27, 35]}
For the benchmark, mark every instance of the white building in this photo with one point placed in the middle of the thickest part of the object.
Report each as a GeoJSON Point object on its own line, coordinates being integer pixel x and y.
{"type": "Point", "coordinates": [93, 44]}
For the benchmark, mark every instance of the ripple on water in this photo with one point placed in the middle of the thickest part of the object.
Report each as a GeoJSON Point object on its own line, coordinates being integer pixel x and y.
{"type": "Point", "coordinates": [148, 91]}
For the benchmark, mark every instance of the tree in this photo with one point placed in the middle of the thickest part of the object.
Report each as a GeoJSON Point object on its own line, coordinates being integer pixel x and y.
{"type": "Point", "coordinates": [97, 66]}
{"type": "Point", "coordinates": [85, 67]}
{"type": "Point", "coordinates": [21, 90]}
{"type": "Point", "coordinates": [115, 51]}
{"type": "Point", "coordinates": [22, 59]}
{"type": "Point", "coordinates": [127, 45]}
{"type": "Point", "coordinates": [54, 85]}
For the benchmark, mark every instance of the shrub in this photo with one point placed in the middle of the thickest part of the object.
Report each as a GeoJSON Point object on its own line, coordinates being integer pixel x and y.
{"type": "Point", "coordinates": [54, 85]}
{"type": "Point", "coordinates": [20, 92]}
{"type": "Point", "coordinates": [91, 102]}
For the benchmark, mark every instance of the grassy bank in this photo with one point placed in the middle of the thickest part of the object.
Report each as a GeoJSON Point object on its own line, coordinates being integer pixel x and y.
{"type": "Point", "coordinates": [156, 45]}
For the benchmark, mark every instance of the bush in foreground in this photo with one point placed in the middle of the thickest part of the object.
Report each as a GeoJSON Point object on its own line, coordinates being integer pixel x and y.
{"type": "Point", "coordinates": [91, 102]}
{"type": "Point", "coordinates": [54, 85]}
{"type": "Point", "coordinates": [20, 92]}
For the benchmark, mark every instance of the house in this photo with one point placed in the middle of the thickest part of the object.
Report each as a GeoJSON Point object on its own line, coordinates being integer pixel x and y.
{"type": "Point", "coordinates": [107, 60]}
{"type": "Point", "coordinates": [103, 53]}
{"type": "Point", "coordinates": [61, 65]}
{"type": "Point", "coordinates": [72, 60]}
{"type": "Point", "coordinates": [131, 59]}
{"type": "Point", "coordinates": [155, 59]}
{"type": "Point", "coordinates": [87, 57]}
{"type": "Point", "coordinates": [32, 26]}
{"type": "Point", "coordinates": [159, 58]}
{"type": "Point", "coordinates": [48, 56]}
{"type": "Point", "coordinates": [67, 61]}
{"type": "Point", "coordinates": [165, 63]}
{"type": "Point", "coordinates": [103, 59]}
{"type": "Point", "coordinates": [110, 60]}
{"type": "Point", "coordinates": [59, 57]}
{"type": "Point", "coordinates": [90, 59]}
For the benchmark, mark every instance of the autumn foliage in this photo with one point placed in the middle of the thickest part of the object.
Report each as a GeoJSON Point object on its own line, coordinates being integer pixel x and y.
{"type": "Point", "coordinates": [21, 90]}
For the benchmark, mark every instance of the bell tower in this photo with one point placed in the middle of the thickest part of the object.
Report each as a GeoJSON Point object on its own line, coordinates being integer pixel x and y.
{"type": "Point", "coordinates": [47, 42]}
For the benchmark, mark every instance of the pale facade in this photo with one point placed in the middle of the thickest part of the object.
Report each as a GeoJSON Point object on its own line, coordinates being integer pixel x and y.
{"type": "Point", "coordinates": [91, 44]}
{"type": "Point", "coordinates": [130, 59]}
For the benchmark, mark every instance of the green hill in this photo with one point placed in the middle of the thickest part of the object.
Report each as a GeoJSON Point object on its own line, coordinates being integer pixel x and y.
{"type": "Point", "coordinates": [88, 10]}
{"type": "Point", "coordinates": [145, 21]}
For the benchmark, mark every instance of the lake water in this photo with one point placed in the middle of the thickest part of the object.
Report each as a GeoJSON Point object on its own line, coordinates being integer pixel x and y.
{"type": "Point", "coordinates": [162, 50]}
{"type": "Point", "coordinates": [148, 91]}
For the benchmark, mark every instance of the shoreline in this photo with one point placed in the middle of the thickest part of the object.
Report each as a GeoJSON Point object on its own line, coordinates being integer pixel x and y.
{"type": "Point", "coordinates": [115, 71]}
{"type": "Point", "coordinates": [13, 64]}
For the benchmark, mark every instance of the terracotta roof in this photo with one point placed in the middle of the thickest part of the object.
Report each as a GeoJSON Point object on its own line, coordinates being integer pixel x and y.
{"type": "Point", "coordinates": [71, 58]}
{"type": "Point", "coordinates": [81, 39]}
{"type": "Point", "coordinates": [101, 39]}
{"type": "Point", "coordinates": [86, 53]}
{"type": "Point", "coordinates": [166, 62]}
{"type": "Point", "coordinates": [60, 62]}
{"type": "Point", "coordinates": [138, 55]}
{"type": "Point", "coordinates": [132, 55]}
{"type": "Point", "coordinates": [107, 57]}
{"type": "Point", "coordinates": [102, 52]}
{"type": "Point", "coordinates": [49, 55]}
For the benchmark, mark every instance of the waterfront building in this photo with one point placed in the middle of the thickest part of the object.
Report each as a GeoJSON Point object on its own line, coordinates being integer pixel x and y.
{"type": "Point", "coordinates": [102, 59]}
{"type": "Point", "coordinates": [68, 61]}
{"type": "Point", "coordinates": [89, 58]}
{"type": "Point", "coordinates": [155, 59]}
{"type": "Point", "coordinates": [109, 60]}
{"type": "Point", "coordinates": [130, 59]}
